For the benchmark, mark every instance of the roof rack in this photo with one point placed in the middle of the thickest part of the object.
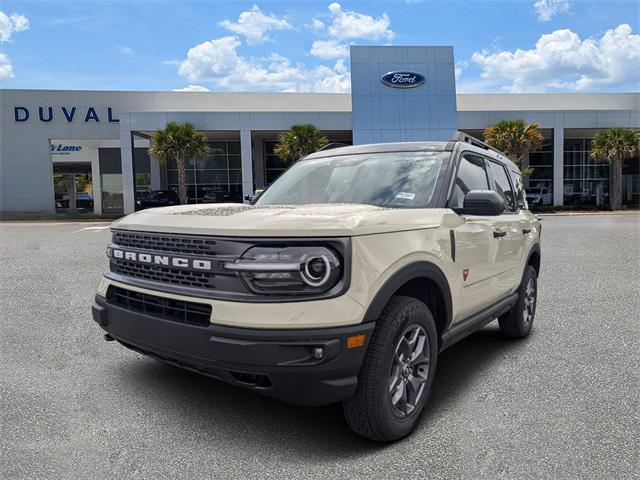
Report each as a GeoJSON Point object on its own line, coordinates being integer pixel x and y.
{"type": "Point", "coordinates": [332, 145]}
{"type": "Point", "coordinates": [465, 137]}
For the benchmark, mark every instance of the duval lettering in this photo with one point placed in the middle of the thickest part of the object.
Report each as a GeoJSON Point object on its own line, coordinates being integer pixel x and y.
{"type": "Point", "coordinates": [47, 114]}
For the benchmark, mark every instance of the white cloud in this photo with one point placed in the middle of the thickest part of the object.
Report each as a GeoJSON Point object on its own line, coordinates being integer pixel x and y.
{"type": "Point", "coordinates": [10, 24]}
{"type": "Point", "coordinates": [192, 88]}
{"type": "Point", "coordinates": [127, 52]}
{"type": "Point", "coordinates": [6, 70]}
{"type": "Point", "coordinates": [329, 49]}
{"type": "Point", "coordinates": [254, 25]}
{"type": "Point", "coordinates": [346, 26]}
{"type": "Point", "coordinates": [460, 67]}
{"type": "Point", "coordinates": [218, 61]}
{"type": "Point", "coordinates": [547, 9]}
{"type": "Point", "coordinates": [210, 59]}
{"type": "Point", "coordinates": [317, 25]}
{"type": "Point", "coordinates": [352, 25]}
{"type": "Point", "coordinates": [336, 79]}
{"type": "Point", "coordinates": [562, 60]}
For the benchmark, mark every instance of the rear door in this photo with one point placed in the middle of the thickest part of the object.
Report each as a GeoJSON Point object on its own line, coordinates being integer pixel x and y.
{"type": "Point", "coordinates": [508, 232]}
{"type": "Point", "coordinates": [474, 242]}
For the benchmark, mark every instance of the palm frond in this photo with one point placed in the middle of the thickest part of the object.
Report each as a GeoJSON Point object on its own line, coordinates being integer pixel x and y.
{"type": "Point", "coordinates": [516, 138]}
{"type": "Point", "coordinates": [299, 141]}
{"type": "Point", "coordinates": [615, 145]}
{"type": "Point", "coordinates": [180, 142]}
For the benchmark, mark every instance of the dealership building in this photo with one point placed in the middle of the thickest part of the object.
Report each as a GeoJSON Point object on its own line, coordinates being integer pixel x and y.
{"type": "Point", "coordinates": [69, 151]}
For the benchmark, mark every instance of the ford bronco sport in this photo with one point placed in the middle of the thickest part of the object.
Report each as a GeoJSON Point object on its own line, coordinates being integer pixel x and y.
{"type": "Point", "coordinates": [342, 282]}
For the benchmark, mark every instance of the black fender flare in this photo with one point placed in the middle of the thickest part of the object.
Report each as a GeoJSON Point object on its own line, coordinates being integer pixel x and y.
{"type": "Point", "coordinates": [535, 248]}
{"type": "Point", "coordinates": [422, 269]}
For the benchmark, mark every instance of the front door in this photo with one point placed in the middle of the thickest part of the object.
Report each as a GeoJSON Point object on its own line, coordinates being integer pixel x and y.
{"type": "Point", "coordinates": [73, 187]}
{"type": "Point", "coordinates": [476, 248]}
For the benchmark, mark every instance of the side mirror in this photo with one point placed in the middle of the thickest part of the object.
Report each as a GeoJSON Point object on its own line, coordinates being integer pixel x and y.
{"type": "Point", "coordinates": [483, 203]}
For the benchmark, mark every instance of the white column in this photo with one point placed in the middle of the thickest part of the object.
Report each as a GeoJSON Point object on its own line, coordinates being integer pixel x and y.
{"type": "Point", "coordinates": [96, 182]}
{"type": "Point", "coordinates": [126, 156]}
{"type": "Point", "coordinates": [246, 158]}
{"type": "Point", "coordinates": [154, 166]}
{"type": "Point", "coordinates": [558, 166]}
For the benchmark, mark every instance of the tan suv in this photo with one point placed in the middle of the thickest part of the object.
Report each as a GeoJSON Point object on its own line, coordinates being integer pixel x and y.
{"type": "Point", "coordinates": [342, 282]}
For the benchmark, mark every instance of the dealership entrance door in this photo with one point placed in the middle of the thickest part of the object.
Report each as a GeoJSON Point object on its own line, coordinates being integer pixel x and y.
{"type": "Point", "coordinates": [73, 187]}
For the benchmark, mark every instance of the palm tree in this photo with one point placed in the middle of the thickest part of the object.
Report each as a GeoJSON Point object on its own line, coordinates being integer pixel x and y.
{"type": "Point", "coordinates": [516, 138]}
{"type": "Point", "coordinates": [301, 140]}
{"type": "Point", "coordinates": [614, 146]}
{"type": "Point", "coordinates": [179, 141]}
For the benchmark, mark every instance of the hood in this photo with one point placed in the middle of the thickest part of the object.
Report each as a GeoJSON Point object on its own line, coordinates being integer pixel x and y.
{"type": "Point", "coordinates": [233, 219]}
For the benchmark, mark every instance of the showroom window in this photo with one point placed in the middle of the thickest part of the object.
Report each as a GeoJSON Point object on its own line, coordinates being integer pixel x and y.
{"type": "Point", "coordinates": [541, 161]}
{"type": "Point", "coordinates": [586, 181]}
{"type": "Point", "coordinates": [631, 182]}
{"type": "Point", "coordinates": [219, 171]}
{"type": "Point", "coordinates": [274, 165]}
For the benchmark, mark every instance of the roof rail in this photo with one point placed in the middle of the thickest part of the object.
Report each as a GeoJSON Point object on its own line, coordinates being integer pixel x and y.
{"type": "Point", "coordinates": [332, 145]}
{"type": "Point", "coordinates": [465, 137]}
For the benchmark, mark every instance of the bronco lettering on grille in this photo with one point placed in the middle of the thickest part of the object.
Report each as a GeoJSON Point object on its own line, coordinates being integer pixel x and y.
{"type": "Point", "coordinates": [166, 260]}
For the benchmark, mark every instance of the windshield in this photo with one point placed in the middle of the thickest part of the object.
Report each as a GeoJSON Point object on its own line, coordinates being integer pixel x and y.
{"type": "Point", "coordinates": [397, 179]}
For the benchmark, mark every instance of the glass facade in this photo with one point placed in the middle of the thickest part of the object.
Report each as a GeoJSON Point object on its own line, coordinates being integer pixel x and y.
{"type": "Point", "coordinates": [273, 165]}
{"type": "Point", "coordinates": [586, 181]}
{"type": "Point", "coordinates": [219, 171]}
{"type": "Point", "coordinates": [73, 187]}
{"type": "Point", "coordinates": [541, 161]}
{"type": "Point", "coordinates": [631, 183]}
{"type": "Point", "coordinates": [112, 202]}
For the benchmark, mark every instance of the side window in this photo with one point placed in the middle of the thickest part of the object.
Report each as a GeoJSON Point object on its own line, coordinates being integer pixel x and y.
{"type": "Point", "coordinates": [521, 195]}
{"type": "Point", "coordinates": [471, 176]}
{"type": "Point", "coordinates": [502, 185]}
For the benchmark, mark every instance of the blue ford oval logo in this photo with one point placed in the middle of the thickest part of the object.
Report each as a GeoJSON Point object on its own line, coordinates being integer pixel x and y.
{"type": "Point", "coordinates": [403, 79]}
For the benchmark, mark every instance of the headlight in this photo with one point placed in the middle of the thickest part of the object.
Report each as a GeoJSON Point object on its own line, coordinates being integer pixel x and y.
{"type": "Point", "coordinates": [288, 270]}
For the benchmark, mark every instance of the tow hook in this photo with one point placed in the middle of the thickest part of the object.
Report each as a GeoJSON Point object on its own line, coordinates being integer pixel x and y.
{"type": "Point", "coordinates": [108, 338]}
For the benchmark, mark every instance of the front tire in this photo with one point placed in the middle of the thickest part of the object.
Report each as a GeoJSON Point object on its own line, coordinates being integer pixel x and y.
{"type": "Point", "coordinates": [518, 321]}
{"type": "Point", "coordinates": [395, 380]}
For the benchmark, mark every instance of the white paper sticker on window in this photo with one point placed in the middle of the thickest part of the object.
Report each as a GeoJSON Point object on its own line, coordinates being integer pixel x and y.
{"type": "Point", "coordinates": [406, 195]}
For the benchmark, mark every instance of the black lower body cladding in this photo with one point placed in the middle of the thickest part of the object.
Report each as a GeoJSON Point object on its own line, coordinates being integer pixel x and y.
{"type": "Point", "coordinates": [302, 367]}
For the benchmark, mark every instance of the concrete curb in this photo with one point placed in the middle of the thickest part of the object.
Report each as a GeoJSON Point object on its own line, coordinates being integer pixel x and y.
{"type": "Point", "coordinates": [576, 214]}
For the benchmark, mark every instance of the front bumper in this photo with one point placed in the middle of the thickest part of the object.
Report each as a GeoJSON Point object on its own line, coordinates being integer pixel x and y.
{"type": "Point", "coordinates": [278, 363]}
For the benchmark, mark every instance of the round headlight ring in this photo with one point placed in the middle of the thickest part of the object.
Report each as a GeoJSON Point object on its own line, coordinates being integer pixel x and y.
{"type": "Point", "coordinates": [309, 278]}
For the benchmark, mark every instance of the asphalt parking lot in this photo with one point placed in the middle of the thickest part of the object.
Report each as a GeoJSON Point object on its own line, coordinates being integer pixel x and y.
{"type": "Point", "coordinates": [563, 403]}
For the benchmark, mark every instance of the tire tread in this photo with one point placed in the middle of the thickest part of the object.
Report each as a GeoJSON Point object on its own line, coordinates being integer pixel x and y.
{"type": "Point", "coordinates": [363, 411]}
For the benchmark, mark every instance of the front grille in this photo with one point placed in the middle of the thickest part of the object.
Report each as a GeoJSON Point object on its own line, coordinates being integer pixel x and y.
{"type": "Point", "coordinates": [155, 273]}
{"type": "Point", "coordinates": [189, 244]}
{"type": "Point", "coordinates": [179, 311]}
{"type": "Point", "coordinates": [217, 250]}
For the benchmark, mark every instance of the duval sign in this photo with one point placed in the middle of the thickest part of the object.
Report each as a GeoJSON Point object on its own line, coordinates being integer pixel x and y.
{"type": "Point", "coordinates": [69, 114]}
{"type": "Point", "coordinates": [403, 79]}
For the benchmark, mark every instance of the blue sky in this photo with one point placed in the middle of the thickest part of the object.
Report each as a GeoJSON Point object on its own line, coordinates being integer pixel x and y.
{"type": "Point", "coordinates": [500, 46]}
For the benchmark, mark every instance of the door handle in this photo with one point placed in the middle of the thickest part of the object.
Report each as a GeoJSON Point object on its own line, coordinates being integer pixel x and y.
{"type": "Point", "coordinates": [526, 230]}
{"type": "Point", "coordinates": [499, 233]}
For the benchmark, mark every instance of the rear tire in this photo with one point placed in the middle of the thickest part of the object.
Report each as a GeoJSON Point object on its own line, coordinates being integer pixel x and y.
{"type": "Point", "coordinates": [395, 380]}
{"type": "Point", "coordinates": [518, 321]}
